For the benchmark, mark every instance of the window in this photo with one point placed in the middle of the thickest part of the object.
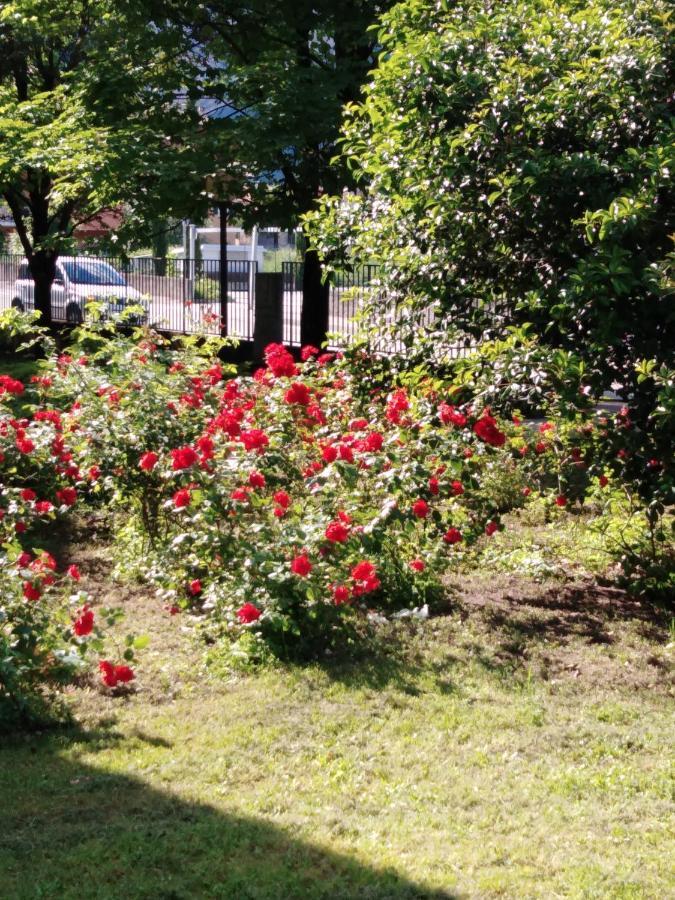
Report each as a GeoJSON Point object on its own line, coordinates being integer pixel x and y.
{"type": "Point", "coordinates": [91, 271]}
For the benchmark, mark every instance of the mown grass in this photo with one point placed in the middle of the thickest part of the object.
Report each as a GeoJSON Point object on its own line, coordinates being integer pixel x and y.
{"type": "Point", "coordinates": [518, 746]}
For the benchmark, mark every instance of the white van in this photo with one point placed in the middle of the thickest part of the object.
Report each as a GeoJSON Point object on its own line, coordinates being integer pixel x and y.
{"type": "Point", "coordinates": [77, 280]}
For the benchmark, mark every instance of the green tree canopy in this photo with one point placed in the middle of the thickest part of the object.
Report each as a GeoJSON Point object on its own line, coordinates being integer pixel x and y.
{"type": "Point", "coordinates": [89, 115]}
{"type": "Point", "coordinates": [281, 72]}
{"type": "Point", "coordinates": [520, 154]}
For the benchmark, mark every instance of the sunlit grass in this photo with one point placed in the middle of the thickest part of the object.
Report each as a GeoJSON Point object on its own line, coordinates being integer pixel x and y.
{"type": "Point", "coordinates": [488, 753]}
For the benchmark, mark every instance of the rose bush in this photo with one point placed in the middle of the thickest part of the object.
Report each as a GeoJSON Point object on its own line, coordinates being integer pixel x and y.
{"type": "Point", "coordinates": [292, 507]}
{"type": "Point", "coordinates": [291, 503]}
{"type": "Point", "coordinates": [48, 628]}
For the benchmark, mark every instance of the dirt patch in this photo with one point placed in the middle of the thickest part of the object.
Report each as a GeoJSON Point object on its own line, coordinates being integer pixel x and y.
{"type": "Point", "coordinates": [581, 630]}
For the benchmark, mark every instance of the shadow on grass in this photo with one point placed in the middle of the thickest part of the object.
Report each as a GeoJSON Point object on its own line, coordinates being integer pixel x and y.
{"type": "Point", "coordinates": [587, 612]}
{"type": "Point", "coordinates": [71, 831]}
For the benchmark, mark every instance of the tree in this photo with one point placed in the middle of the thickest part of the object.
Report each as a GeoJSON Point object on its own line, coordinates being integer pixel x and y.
{"type": "Point", "coordinates": [278, 75]}
{"type": "Point", "coordinates": [88, 117]}
{"type": "Point", "coordinates": [518, 154]}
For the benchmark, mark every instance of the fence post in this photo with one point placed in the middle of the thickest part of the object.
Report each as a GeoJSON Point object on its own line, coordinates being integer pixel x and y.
{"type": "Point", "coordinates": [269, 312]}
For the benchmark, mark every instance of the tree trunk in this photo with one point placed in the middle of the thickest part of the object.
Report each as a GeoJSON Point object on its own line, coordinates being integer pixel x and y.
{"type": "Point", "coordinates": [315, 300]}
{"type": "Point", "coordinates": [43, 269]}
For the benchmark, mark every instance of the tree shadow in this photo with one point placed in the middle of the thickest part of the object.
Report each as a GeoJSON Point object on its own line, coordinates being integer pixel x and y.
{"type": "Point", "coordinates": [562, 613]}
{"type": "Point", "coordinates": [68, 830]}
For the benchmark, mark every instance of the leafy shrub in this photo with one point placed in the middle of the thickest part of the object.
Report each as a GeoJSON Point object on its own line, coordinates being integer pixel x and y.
{"type": "Point", "coordinates": [292, 502]}
{"type": "Point", "coordinates": [47, 626]}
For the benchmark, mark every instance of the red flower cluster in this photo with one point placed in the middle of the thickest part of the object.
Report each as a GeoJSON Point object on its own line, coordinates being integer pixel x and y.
{"type": "Point", "coordinates": [337, 532]}
{"type": "Point", "coordinates": [10, 385]}
{"type": "Point", "coordinates": [486, 429]}
{"type": "Point", "coordinates": [451, 416]}
{"type": "Point", "coordinates": [112, 675]}
{"type": "Point", "coordinates": [280, 361]}
{"type": "Point", "coordinates": [183, 458]}
{"type": "Point", "coordinates": [248, 613]}
{"type": "Point", "coordinates": [149, 460]}
{"type": "Point", "coordinates": [84, 624]}
{"type": "Point", "coordinates": [301, 565]}
{"type": "Point", "coordinates": [298, 393]}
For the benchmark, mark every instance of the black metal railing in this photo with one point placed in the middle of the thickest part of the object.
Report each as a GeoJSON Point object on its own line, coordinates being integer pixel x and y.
{"type": "Point", "coordinates": [347, 290]}
{"type": "Point", "coordinates": [182, 296]}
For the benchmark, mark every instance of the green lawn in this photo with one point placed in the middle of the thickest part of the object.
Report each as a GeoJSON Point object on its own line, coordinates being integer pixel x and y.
{"type": "Point", "coordinates": [519, 746]}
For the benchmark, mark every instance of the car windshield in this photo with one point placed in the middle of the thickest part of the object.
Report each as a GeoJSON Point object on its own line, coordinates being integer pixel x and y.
{"type": "Point", "coordinates": [91, 272]}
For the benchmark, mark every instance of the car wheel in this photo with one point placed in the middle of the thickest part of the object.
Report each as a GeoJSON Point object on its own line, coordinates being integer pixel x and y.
{"type": "Point", "coordinates": [17, 303]}
{"type": "Point", "coordinates": [74, 314]}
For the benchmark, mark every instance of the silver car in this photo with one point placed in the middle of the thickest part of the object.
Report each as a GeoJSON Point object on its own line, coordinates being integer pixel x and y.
{"type": "Point", "coordinates": [77, 280]}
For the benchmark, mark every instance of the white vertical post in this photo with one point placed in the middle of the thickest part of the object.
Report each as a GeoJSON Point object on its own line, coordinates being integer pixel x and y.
{"type": "Point", "coordinates": [252, 257]}
{"type": "Point", "coordinates": [192, 236]}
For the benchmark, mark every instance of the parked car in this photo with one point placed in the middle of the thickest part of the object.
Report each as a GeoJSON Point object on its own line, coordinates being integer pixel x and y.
{"type": "Point", "coordinates": [77, 280]}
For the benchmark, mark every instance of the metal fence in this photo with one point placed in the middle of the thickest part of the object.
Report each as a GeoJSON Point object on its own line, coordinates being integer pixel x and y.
{"type": "Point", "coordinates": [346, 294]}
{"type": "Point", "coordinates": [181, 296]}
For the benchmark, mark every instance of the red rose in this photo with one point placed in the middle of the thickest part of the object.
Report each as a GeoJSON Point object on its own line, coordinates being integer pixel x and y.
{"type": "Point", "coordinates": [279, 512]}
{"type": "Point", "coordinates": [67, 496]}
{"type": "Point", "coordinates": [434, 486]}
{"type": "Point", "coordinates": [74, 572]}
{"type": "Point", "coordinates": [181, 498]}
{"type": "Point", "coordinates": [337, 533]}
{"type": "Point", "coordinates": [28, 494]}
{"type": "Point", "coordinates": [486, 429]}
{"type": "Point", "coordinates": [457, 488]}
{"type": "Point", "coordinates": [254, 439]}
{"type": "Point", "coordinates": [94, 473]}
{"type": "Point", "coordinates": [281, 498]}
{"type": "Point", "coordinates": [149, 460]}
{"type": "Point", "coordinates": [248, 614]}
{"type": "Point", "coordinates": [239, 494]}
{"type": "Point", "coordinates": [346, 453]}
{"type": "Point", "coordinates": [84, 624]}
{"type": "Point", "coordinates": [298, 393]}
{"type": "Point", "coordinates": [280, 361]}
{"type": "Point", "coordinates": [603, 481]}
{"type": "Point", "coordinates": [561, 500]}
{"type": "Point", "coordinates": [374, 441]}
{"type": "Point", "coordinates": [256, 480]}
{"type": "Point", "coordinates": [301, 565]}
{"type": "Point", "coordinates": [30, 591]}
{"type": "Point", "coordinates": [452, 536]}
{"type": "Point", "coordinates": [420, 509]}
{"type": "Point", "coordinates": [107, 670]}
{"type": "Point", "coordinates": [340, 594]}
{"type": "Point", "coordinates": [363, 570]}
{"type": "Point", "coordinates": [24, 445]}
{"type": "Point", "coordinates": [417, 565]}
{"type": "Point", "coordinates": [527, 491]}
{"type": "Point", "coordinates": [490, 528]}
{"type": "Point", "coordinates": [450, 416]}
{"type": "Point", "coordinates": [540, 447]}
{"type": "Point", "coordinates": [184, 457]}
{"type": "Point", "coordinates": [124, 674]}
{"type": "Point", "coordinates": [195, 587]}
{"type": "Point", "coordinates": [308, 351]}
{"type": "Point", "coordinates": [329, 453]}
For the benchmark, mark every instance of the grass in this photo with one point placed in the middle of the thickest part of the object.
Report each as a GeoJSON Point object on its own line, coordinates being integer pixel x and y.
{"type": "Point", "coordinates": [518, 746]}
